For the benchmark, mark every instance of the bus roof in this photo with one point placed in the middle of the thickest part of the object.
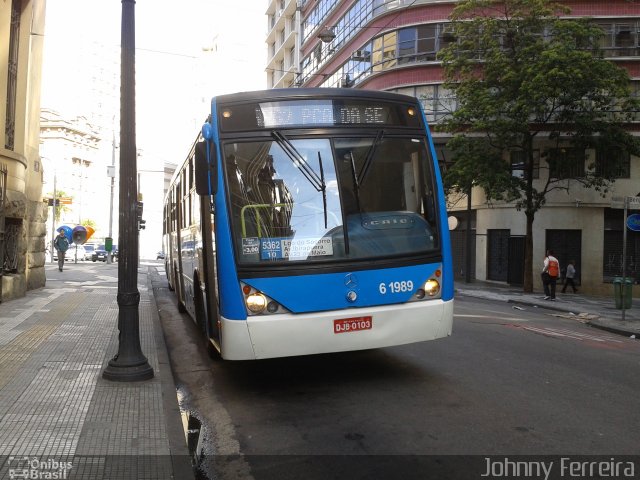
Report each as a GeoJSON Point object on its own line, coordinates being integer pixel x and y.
{"type": "Point", "coordinates": [301, 93]}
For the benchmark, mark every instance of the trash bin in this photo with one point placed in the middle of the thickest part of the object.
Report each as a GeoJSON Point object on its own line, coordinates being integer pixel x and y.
{"type": "Point", "coordinates": [623, 289]}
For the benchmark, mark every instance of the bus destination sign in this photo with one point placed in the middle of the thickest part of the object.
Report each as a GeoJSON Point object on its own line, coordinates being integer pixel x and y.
{"type": "Point", "coordinates": [317, 113]}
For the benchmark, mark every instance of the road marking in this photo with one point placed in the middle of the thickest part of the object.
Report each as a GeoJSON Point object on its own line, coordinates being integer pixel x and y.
{"type": "Point", "coordinates": [561, 332]}
{"type": "Point", "coordinates": [492, 317]}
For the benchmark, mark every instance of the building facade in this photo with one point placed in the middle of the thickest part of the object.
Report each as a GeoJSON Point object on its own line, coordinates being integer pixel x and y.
{"type": "Point", "coordinates": [75, 165]}
{"type": "Point", "coordinates": [393, 46]}
{"type": "Point", "coordinates": [22, 210]}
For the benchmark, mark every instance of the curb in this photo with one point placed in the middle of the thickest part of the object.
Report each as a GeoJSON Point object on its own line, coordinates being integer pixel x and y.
{"type": "Point", "coordinates": [180, 458]}
{"type": "Point", "coordinates": [596, 323]}
{"type": "Point", "coordinates": [613, 329]}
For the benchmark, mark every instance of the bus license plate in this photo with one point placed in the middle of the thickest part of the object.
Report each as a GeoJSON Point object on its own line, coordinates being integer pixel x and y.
{"type": "Point", "coordinates": [355, 324]}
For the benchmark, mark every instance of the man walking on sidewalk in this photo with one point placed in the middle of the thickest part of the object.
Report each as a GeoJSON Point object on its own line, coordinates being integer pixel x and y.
{"type": "Point", "coordinates": [550, 273]}
{"type": "Point", "coordinates": [570, 275]}
{"type": "Point", "coordinates": [61, 244]}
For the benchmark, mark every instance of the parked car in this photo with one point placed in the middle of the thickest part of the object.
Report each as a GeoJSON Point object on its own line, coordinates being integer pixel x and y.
{"type": "Point", "coordinates": [160, 256]}
{"type": "Point", "coordinates": [70, 256]}
{"type": "Point", "coordinates": [99, 254]}
{"type": "Point", "coordinates": [88, 250]}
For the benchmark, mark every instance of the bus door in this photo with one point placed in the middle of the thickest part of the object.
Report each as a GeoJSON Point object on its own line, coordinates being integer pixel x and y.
{"type": "Point", "coordinates": [210, 268]}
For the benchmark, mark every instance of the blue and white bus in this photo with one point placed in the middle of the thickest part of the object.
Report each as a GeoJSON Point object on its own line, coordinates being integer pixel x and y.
{"type": "Point", "coordinates": [308, 221]}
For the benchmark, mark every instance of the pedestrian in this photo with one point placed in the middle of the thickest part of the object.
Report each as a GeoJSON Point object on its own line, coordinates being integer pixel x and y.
{"type": "Point", "coordinates": [61, 244]}
{"type": "Point", "coordinates": [550, 273]}
{"type": "Point", "coordinates": [569, 276]}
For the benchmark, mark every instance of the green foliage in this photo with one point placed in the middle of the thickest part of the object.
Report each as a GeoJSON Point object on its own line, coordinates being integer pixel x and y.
{"type": "Point", "coordinates": [519, 72]}
{"type": "Point", "coordinates": [526, 79]}
{"type": "Point", "coordinates": [478, 163]}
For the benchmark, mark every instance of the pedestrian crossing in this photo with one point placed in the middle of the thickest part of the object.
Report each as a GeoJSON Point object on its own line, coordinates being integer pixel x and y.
{"type": "Point", "coordinates": [567, 333]}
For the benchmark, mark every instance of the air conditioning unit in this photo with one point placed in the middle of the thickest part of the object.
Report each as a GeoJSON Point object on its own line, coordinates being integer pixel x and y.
{"type": "Point", "coordinates": [361, 55]}
{"type": "Point", "coordinates": [346, 82]}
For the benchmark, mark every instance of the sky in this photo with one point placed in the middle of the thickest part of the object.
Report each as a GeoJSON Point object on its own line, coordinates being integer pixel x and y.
{"type": "Point", "coordinates": [186, 53]}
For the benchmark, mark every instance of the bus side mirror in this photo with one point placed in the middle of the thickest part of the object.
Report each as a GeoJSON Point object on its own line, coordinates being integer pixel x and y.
{"type": "Point", "coordinates": [206, 169]}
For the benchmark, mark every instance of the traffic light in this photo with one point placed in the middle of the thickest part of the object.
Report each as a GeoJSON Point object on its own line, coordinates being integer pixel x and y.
{"type": "Point", "coordinates": [139, 209]}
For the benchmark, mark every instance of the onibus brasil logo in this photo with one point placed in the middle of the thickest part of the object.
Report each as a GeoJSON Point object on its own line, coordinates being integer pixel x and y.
{"type": "Point", "coordinates": [33, 468]}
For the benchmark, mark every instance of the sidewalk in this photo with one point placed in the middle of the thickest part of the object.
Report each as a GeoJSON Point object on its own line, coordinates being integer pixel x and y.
{"type": "Point", "coordinates": [599, 312]}
{"type": "Point", "coordinates": [58, 416]}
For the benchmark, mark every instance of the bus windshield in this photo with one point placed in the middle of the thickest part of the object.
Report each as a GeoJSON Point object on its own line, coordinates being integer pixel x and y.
{"type": "Point", "coordinates": [330, 199]}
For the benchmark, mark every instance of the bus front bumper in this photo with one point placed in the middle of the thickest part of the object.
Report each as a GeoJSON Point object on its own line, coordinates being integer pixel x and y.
{"type": "Point", "coordinates": [271, 336]}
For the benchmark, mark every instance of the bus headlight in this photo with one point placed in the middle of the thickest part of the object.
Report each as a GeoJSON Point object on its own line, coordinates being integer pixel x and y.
{"type": "Point", "coordinates": [256, 302]}
{"type": "Point", "coordinates": [431, 287]}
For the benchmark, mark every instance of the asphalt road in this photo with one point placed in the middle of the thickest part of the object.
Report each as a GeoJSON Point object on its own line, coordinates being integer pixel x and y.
{"type": "Point", "coordinates": [508, 382]}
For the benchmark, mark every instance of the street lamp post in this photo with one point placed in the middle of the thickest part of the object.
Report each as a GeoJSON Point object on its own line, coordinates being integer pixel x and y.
{"type": "Point", "coordinates": [129, 364]}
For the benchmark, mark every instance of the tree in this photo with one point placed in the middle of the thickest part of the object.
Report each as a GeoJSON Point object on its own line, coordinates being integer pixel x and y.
{"type": "Point", "coordinates": [526, 80]}
{"type": "Point", "coordinates": [89, 223]}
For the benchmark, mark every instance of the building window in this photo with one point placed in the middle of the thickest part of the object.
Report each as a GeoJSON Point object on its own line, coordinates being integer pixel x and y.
{"type": "Point", "coordinates": [613, 163]}
{"type": "Point", "coordinates": [12, 77]}
{"type": "Point", "coordinates": [292, 56]}
{"type": "Point", "coordinates": [518, 162]}
{"type": "Point", "coordinates": [407, 45]}
{"type": "Point", "coordinates": [437, 101]}
{"type": "Point", "coordinates": [621, 38]}
{"type": "Point", "coordinates": [566, 163]}
{"type": "Point", "coordinates": [280, 69]}
{"type": "Point", "coordinates": [317, 16]}
{"type": "Point", "coordinates": [427, 42]}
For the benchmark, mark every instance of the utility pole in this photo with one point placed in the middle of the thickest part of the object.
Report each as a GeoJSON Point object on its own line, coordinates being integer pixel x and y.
{"type": "Point", "coordinates": [129, 364]}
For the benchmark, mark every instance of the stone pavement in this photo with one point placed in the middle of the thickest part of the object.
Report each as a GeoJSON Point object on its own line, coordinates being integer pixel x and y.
{"type": "Point", "coordinates": [596, 311]}
{"type": "Point", "coordinates": [58, 417]}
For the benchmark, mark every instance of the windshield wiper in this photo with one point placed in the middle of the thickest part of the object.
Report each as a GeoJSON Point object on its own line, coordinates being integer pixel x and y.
{"type": "Point", "coordinates": [369, 158]}
{"type": "Point", "coordinates": [317, 181]}
{"type": "Point", "coordinates": [299, 161]}
{"type": "Point", "coordinates": [356, 180]}
{"type": "Point", "coordinates": [324, 189]}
